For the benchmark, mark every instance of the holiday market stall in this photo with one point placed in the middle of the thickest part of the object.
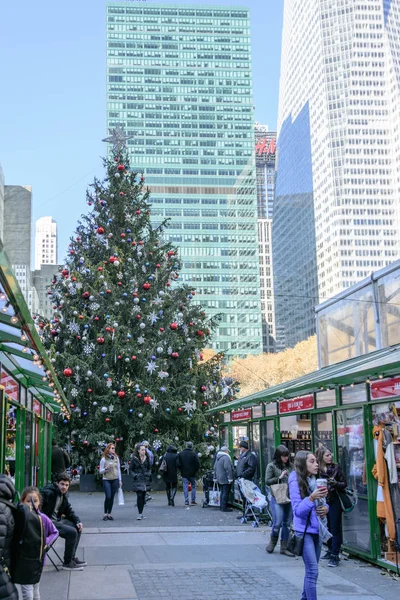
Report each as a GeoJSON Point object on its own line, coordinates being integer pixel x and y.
{"type": "Point", "coordinates": [353, 408]}
{"type": "Point", "coordinates": [30, 393]}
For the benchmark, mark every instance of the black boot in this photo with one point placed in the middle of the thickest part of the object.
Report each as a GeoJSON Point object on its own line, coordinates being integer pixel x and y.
{"type": "Point", "coordinates": [168, 496]}
{"type": "Point", "coordinates": [173, 492]}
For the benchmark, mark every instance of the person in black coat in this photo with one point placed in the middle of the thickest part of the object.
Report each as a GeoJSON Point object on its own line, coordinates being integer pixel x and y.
{"type": "Point", "coordinates": [140, 470]}
{"type": "Point", "coordinates": [188, 463]}
{"type": "Point", "coordinates": [171, 474]}
{"type": "Point", "coordinates": [57, 507]}
{"type": "Point", "coordinates": [60, 460]}
{"type": "Point", "coordinates": [8, 591]}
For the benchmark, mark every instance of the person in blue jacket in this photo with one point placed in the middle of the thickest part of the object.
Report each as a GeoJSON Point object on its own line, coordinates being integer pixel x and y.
{"type": "Point", "coordinates": [309, 514]}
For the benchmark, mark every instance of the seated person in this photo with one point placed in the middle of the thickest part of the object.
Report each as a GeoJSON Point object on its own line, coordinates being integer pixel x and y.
{"type": "Point", "coordinates": [57, 507]}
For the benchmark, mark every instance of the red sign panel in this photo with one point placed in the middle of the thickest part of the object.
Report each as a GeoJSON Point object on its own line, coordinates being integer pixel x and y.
{"type": "Point", "coordinates": [239, 415]}
{"type": "Point", "coordinates": [11, 386]}
{"type": "Point", "coordinates": [386, 388]}
{"type": "Point", "coordinates": [296, 404]}
{"type": "Point", "coordinates": [48, 415]}
{"type": "Point", "coordinates": [36, 406]}
{"type": "Point", "coordinates": [264, 146]}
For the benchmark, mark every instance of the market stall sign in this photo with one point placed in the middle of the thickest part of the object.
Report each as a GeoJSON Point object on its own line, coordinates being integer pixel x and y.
{"type": "Point", "coordinates": [239, 415]}
{"type": "Point", "coordinates": [296, 404]}
{"type": "Point", "coordinates": [385, 388]}
{"type": "Point", "coordinates": [36, 407]}
{"type": "Point", "coordinates": [11, 386]}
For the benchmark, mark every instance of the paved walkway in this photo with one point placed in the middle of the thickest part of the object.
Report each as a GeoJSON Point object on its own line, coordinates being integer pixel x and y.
{"type": "Point", "coordinates": [193, 554]}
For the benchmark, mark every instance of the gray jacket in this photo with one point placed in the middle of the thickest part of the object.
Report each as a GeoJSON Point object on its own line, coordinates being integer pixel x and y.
{"type": "Point", "coordinates": [223, 468]}
{"type": "Point", "coordinates": [273, 472]}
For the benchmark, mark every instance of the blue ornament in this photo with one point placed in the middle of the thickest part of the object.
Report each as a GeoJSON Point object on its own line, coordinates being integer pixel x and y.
{"type": "Point", "coordinates": [105, 375]}
{"type": "Point", "coordinates": [81, 260]}
{"type": "Point", "coordinates": [144, 391]}
{"type": "Point", "coordinates": [214, 382]}
{"type": "Point", "coordinates": [127, 230]}
{"type": "Point", "coordinates": [190, 296]}
{"type": "Point", "coordinates": [150, 278]}
{"type": "Point", "coordinates": [162, 389]}
{"type": "Point", "coordinates": [110, 220]}
{"type": "Point", "coordinates": [103, 356]}
{"type": "Point", "coordinates": [160, 312]}
{"type": "Point", "coordinates": [128, 335]}
{"type": "Point", "coordinates": [86, 327]}
{"type": "Point", "coordinates": [65, 421]}
{"type": "Point", "coordinates": [101, 293]}
{"type": "Point", "coordinates": [107, 316]}
{"type": "Point", "coordinates": [153, 358]}
{"type": "Point", "coordinates": [147, 264]}
{"type": "Point", "coordinates": [167, 410]}
{"type": "Point", "coordinates": [143, 299]}
{"type": "Point", "coordinates": [129, 240]}
{"type": "Point", "coordinates": [131, 410]}
{"type": "Point", "coordinates": [124, 294]}
{"type": "Point", "coordinates": [85, 414]}
{"type": "Point", "coordinates": [206, 434]}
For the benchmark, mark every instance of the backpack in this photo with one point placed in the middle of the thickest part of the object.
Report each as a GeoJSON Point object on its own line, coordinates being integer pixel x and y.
{"type": "Point", "coordinates": [27, 546]}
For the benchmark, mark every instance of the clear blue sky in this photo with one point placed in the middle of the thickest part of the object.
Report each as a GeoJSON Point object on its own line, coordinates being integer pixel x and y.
{"type": "Point", "coordinates": [52, 115]}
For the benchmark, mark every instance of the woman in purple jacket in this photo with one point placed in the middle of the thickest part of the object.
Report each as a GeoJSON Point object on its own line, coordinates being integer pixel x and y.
{"type": "Point", "coordinates": [307, 516]}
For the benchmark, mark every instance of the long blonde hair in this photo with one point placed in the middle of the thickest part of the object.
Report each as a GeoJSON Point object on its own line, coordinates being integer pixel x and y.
{"type": "Point", "coordinates": [107, 450]}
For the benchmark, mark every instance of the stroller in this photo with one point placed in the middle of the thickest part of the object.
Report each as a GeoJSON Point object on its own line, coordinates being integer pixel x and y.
{"type": "Point", "coordinates": [255, 503]}
{"type": "Point", "coordinates": [208, 484]}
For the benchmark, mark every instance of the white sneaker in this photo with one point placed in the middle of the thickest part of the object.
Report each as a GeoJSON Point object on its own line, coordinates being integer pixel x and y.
{"type": "Point", "coordinates": [140, 517]}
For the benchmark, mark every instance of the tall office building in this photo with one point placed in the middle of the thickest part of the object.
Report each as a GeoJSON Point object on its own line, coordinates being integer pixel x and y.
{"type": "Point", "coordinates": [42, 279]}
{"type": "Point", "coordinates": [336, 212]}
{"type": "Point", "coordinates": [1, 203]}
{"type": "Point", "coordinates": [45, 242]}
{"type": "Point", "coordinates": [179, 79]}
{"type": "Point", "coordinates": [265, 146]}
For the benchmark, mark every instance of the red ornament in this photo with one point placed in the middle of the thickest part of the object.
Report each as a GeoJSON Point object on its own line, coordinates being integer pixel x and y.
{"type": "Point", "coordinates": [96, 318]}
{"type": "Point", "coordinates": [168, 284]}
{"type": "Point", "coordinates": [72, 405]}
{"type": "Point", "coordinates": [138, 395]}
{"type": "Point", "coordinates": [41, 325]}
{"type": "Point", "coordinates": [112, 259]}
{"type": "Point", "coordinates": [191, 323]}
{"type": "Point", "coordinates": [147, 399]}
{"type": "Point", "coordinates": [86, 295]}
{"type": "Point", "coordinates": [171, 253]}
{"type": "Point", "coordinates": [121, 394]}
{"type": "Point", "coordinates": [155, 430]}
{"type": "Point", "coordinates": [180, 409]}
{"type": "Point", "coordinates": [146, 286]}
{"type": "Point", "coordinates": [138, 317]}
{"type": "Point", "coordinates": [100, 230]}
{"type": "Point", "coordinates": [54, 332]}
{"type": "Point", "coordinates": [173, 326]}
{"type": "Point", "coordinates": [201, 356]}
{"type": "Point", "coordinates": [85, 442]}
{"type": "Point", "coordinates": [133, 243]}
{"type": "Point", "coordinates": [120, 283]}
{"type": "Point", "coordinates": [175, 355]}
{"type": "Point", "coordinates": [205, 403]}
{"type": "Point", "coordinates": [67, 372]}
{"type": "Point", "coordinates": [138, 212]}
{"type": "Point", "coordinates": [203, 388]}
{"type": "Point", "coordinates": [108, 291]}
{"type": "Point", "coordinates": [73, 278]}
{"type": "Point", "coordinates": [108, 419]}
{"type": "Point", "coordinates": [158, 266]}
{"type": "Point", "coordinates": [121, 167]}
{"type": "Point", "coordinates": [162, 329]}
{"type": "Point", "coordinates": [100, 340]}
{"type": "Point", "coordinates": [90, 390]}
{"type": "Point", "coordinates": [72, 251]}
{"type": "Point", "coordinates": [200, 333]}
{"type": "Point", "coordinates": [122, 235]}
{"type": "Point", "coordinates": [121, 194]}
{"type": "Point", "coordinates": [99, 268]}
{"type": "Point", "coordinates": [140, 243]}
{"type": "Point", "coordinates": [134, 294]}
{"type": "Point", "coordinates": [80, 316]}
{"type": "Point", "coordinates": [64, 273]}
{"type": "Point", "coordinates": [133, 357]}
{"type": "Point", "coordinates": [119, 357]}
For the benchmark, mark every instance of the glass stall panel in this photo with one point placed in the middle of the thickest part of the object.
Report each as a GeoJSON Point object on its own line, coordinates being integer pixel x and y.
{"type": "Point", "coordinates": [267, 444]}
{"type": "Point", "coordinates": [351, 458]}
{"type": "Point", "coordinates": [389, 308]}
{"type": "Point", "coordinates": [28, 479]}
{"type": "Point", "coordinates": [239, 433]}
{"type": "Point", "coordinates": [11, 440]}
{"type": "Point", "coordinates": [296, 432]}
{"type": "Point", "coordinates": [322, 431]}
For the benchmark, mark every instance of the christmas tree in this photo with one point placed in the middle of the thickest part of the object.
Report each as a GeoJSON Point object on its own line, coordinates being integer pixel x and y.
{"type": "Point", "coordinates": [126, 338]}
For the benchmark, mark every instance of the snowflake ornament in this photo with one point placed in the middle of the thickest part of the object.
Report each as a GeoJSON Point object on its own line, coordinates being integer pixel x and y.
{"type": "Point", "coordinates": [151, 367]}
{"type": "Point", "coordinates": [152, 318]}
{"type": "Point", "coordinates": [73, 328]}
{"type": "Point", "coordinates": [88, 348]}
{"type": "Point", "coordinates": [109, 382]}
{"type": "Point", "coordinates": [111, 408]}
{"type": "Point", "coordinates": [141, 340]}
{"type": "Point", "coordinates": [94, 306]}
{"type": "Point", "coordinates": [74, 392]}
{"type": "Point", "coordinates": [157, 445]}
{"type": "Point", "coordinates": [120, 275]}
{"type": "Point", "coordinates": [189, 406]}
{"type": "Point", "coordinates": [154, 404]}
{"type": "Point", "coordinates": [77, 379]}
{"type": "Point", "coordinates": [125, 467]}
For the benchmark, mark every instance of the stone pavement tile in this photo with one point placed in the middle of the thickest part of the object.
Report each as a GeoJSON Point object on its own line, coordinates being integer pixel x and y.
{"type": "Point", "coordinates": [52, 580]}
{"type": "Point", "coordinates": [214, 553]}
{"type": "Point", "coordinates": [210, 538]}
{"type": "Point", "coordinates": [187, 566]}
{"type": "Point", "coordinates": [116, 555]}
{"type": "Point", "coordinates": [121, 539]}
{"type": "Point", "coordinates": [101, 583]}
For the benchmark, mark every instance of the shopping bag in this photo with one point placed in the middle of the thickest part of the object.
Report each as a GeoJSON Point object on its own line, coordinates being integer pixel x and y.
{"type": "Point", "coordinates": [163, 467]}
{"type": "Point", "coordinates": [280, 493]}
{"type": "Point", "coordinates": [214, 496]}
{"type": "Point", "coordinates": [121, 501]}
{"type": "Point", "coordinates": [348, 499]}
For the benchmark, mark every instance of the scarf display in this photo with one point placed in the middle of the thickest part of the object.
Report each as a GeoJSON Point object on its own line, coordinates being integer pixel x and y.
{"type": "Point", "coordinates": [324, 533]}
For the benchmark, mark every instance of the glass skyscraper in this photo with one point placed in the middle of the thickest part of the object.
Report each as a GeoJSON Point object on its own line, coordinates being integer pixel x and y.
{"type": "Point", "coordinates": [337, 203]}
{"type": "Point", "coordinates": [179, 79]}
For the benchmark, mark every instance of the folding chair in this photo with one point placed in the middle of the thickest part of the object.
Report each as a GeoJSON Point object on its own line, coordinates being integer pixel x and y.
{"type": "Point", "coordinates": [51, 547]}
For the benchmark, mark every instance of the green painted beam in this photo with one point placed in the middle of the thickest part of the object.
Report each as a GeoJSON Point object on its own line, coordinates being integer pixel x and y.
{"type": "Point", "coordinates": [13, 339]}
{"type": "Point", "coordinates": [16, 352]}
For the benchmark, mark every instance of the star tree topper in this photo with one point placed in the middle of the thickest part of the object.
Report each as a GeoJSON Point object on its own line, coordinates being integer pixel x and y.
{"type": "Point", "coordinates": [117, 139]}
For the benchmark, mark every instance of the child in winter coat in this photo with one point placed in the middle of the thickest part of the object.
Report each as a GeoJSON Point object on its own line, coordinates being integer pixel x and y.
{"type": "Point", "coordinates": [31, 497]}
